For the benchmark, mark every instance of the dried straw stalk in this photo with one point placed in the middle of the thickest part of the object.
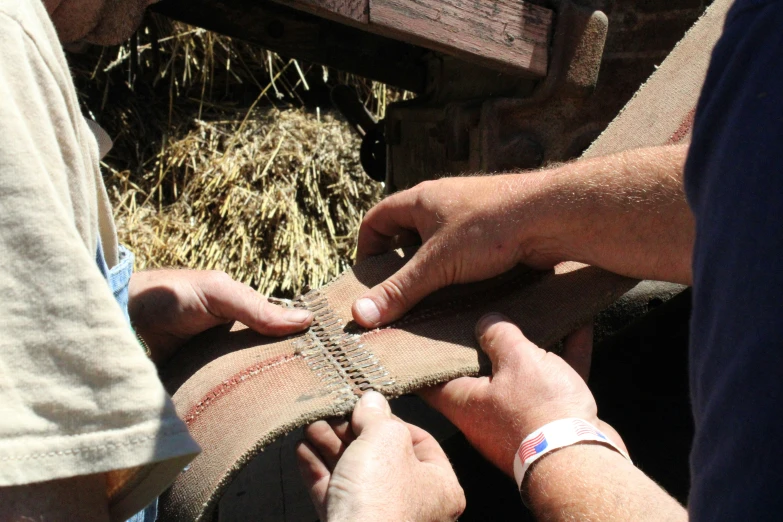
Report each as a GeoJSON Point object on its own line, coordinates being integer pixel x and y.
{"type": "Point", "coordinates": [218, 165]}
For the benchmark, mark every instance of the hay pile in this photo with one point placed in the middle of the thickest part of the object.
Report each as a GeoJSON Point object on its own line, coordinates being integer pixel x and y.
{"type": "Point", "coordinates": [226, 157]}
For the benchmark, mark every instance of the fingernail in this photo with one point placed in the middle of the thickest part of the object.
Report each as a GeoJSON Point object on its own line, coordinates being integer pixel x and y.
{"type": "Point", "coordinates": [298, 316]}
{"type": "Point", "coordinates": [373, 399]}
{"type": "Point", "coordinates": [487, 321]}
{"type": "Point", "coordinates": [368, 310]}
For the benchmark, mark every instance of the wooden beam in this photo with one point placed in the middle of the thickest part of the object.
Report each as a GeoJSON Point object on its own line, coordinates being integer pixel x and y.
{"type": "Point", "coordinates": [345, 11]}
{"type": "Point", "coordinates": [296, 34]}
{"type": "Point", "coordinates": [508, 35]}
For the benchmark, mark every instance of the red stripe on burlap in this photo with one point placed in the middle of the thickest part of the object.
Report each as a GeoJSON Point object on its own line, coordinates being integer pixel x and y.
{"type": "Point", "coordinates": [230, 384]}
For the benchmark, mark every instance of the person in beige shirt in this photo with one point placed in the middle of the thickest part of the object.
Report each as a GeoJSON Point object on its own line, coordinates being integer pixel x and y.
{"type": "Point", "coordinates": [87, 431]}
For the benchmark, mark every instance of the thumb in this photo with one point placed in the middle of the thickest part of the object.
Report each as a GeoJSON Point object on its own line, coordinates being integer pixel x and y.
{"type": "Point", "coordinates": [393, 298]}
{"type": "Point", "coordinates": [502, 341]}
{"type": "Point", "coordinates": [234, 301]}
{"type": "Point", "coordinates": [372, 408]}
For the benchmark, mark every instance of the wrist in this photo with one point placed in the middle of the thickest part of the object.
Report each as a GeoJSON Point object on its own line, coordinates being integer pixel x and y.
{"type": "Point", "coordinates": [549, 216]}
{"type": "Point", "coordinates": [555, 436]}
{"type": "Point", "coordinates": [550, 479]}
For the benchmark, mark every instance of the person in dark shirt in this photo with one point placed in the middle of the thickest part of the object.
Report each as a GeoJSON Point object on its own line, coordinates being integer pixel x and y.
{"type": "Point", "coordinates": [734, 183]}
{"type": "Point", "coordinates": [709, 215]}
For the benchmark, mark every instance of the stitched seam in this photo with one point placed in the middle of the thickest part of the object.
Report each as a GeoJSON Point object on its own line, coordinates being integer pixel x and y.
{"type": "Point", "coordinates": [228, 385]}
{"type": "Point", "coordinates": [92, 449]}
{"type": "Point", "coordinates": [686, 126]}
{"type": "Point", "coordinates": [337, 356]}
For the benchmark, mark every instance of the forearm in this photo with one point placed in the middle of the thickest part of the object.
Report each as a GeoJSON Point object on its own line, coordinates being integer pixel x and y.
{"type": "Point", "coordinates": [592, 482]}
{"type": "Point", "coordinates": [626, 213]}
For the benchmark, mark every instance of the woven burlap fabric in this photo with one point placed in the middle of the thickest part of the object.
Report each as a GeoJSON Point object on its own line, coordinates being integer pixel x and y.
{"type": "Point", "coordinates": [238, 391]}
{"type": "Point", "coordinates": [662, 110]}
{"type": "Point", "coordinates": [255, 389]}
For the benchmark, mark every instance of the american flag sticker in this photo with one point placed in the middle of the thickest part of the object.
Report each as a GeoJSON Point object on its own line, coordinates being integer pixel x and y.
{"type": "Point", "coordinates": [583, 428]}
{"type": "Point", "coordinates": [555, 435]}
{"type": "Point", "coordinates": [532, 447]}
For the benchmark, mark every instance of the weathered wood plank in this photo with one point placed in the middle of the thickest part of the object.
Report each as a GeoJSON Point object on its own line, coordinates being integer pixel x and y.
{"type": "Point", "coordinates": [296, 34]}
{"type": "Point", "coordinates": [509, 35]}
{"type": "Point", "coordinates": [345, 11]}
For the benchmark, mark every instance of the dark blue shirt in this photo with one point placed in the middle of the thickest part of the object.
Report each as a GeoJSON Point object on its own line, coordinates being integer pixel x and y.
{"type": "Point", "coordinates": [734, 183]}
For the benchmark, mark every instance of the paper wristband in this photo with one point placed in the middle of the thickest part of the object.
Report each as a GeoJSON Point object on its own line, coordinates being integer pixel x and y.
{"type": "Point", "coordinates": [553, 436]}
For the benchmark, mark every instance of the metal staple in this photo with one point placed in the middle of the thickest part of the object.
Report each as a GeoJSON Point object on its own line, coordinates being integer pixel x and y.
{"type": "Point", "coordinates": [339, 358]}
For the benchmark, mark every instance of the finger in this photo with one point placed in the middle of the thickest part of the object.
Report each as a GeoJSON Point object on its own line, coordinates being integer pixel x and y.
{"type": "Point", "coordinates": [391, 299]}
{"type": "Point", "coordinates": [234, 301]}
{"type": "Point", "coordinates": [502, 341]}
{"type": "Point", "coordinates": [426, 448]}
{"type": "Point", "coordinates": [391, 217]}
{"type": "Point", "coordinates": [315, 475]}
{"type": "Point", "coordinates": [321, 436]}
{"type": "Point", "coordinates": [456, 399]}
{"type": "Point", "coordinates": [405, 238]}
{"type": "Point", "coordinates": [578, 350]}
{"type": "Point", "coordinates": [372, 409]}
{"type": "Point", "coordinates": [342, 427]}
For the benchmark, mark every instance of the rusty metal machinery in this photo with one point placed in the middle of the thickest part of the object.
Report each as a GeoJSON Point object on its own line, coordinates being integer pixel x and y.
{"type": "Point", "coordinates": [471, 120]}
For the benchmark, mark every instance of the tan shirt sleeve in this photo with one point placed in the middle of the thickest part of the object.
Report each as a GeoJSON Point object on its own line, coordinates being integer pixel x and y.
{"type": "Point", "coordinates": [77, 394]}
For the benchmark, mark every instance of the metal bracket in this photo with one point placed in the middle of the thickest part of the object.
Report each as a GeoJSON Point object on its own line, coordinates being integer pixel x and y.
{"type": "Point", "coordinates": [474, 120]}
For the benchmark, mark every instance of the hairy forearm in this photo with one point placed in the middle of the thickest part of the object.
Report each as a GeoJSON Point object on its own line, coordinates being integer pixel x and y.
{"type": "Point", "coordinates": [591, 482]}
{"type": "Point", "coordinates": [626, 213]}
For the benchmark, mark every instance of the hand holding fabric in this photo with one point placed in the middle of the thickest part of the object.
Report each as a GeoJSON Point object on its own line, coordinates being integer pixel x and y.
{"type": "Point", "coordinates": [625, 213]}
{"type": "Point", "coordinates": [378, 468]}
{"type": "Point", "coordinates": [528, 389]}
{"type": "Point", "coordinates": [471, 228]}
{"type": "Point", "coordinates": [168, 307]}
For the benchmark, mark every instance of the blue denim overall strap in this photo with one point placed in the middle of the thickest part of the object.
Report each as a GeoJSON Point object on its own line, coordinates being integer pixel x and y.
{"type": "Point", "coordinates": [118, 278]}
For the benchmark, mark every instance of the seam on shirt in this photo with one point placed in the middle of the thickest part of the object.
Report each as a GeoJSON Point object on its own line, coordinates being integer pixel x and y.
{"type": "Point", "coordinates": [112, 430]}
{"type": "Point", "coordinates": [92, 449]}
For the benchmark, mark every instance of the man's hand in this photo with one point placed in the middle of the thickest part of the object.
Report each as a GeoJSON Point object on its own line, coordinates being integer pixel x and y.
{"type": "Point", "coordinates": [471, 228]}
{"type": "Point", "coordinates": [378, 468]}
{"type": "Point", "coordinates": [625, 213]}
{"type": "Point", "coordinates": [168, 307]}
{"type": "Point", "coordinates": [529, 388]}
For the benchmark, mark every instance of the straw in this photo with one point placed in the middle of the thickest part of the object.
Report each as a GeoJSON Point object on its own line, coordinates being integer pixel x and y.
{"type": "Point", "coordinates": [212, 169]}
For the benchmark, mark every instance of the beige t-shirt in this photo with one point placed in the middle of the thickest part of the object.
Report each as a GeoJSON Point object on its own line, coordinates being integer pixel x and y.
{"type": "Point", "coordinates": [77, 394]}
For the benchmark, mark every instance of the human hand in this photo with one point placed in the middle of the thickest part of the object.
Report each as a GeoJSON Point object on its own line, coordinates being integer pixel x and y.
{"type": "Point", "coordinates": [168, 307]}
{"type": "Point", "coordinates": [472, 228]}
{"type": "Point", "coordinates": [528, 389]}
{"type": "Point", "coordinates": [377, 468]}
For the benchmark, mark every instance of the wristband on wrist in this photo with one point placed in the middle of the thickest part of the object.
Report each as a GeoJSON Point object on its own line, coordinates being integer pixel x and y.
{"type": "Point", "coordinates": [555, 435]}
